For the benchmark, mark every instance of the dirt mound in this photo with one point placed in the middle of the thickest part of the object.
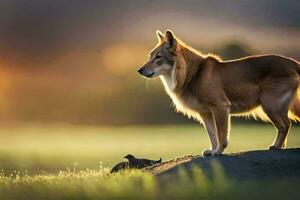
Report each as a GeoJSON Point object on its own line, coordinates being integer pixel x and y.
{"type": "Point", "coordinates": [249, 165]}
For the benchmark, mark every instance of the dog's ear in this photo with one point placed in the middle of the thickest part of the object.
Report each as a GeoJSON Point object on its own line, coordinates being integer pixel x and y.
{"type": "Point", "coordinates": [160, 36]}
{"type": "Point", "coordinates": [170, 39]}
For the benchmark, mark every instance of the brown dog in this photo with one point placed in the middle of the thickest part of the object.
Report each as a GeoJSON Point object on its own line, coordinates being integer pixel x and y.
{"type": "Point", "coordinates": [211, 90]}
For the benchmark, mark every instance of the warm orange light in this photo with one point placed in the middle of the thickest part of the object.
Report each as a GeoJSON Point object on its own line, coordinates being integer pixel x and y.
{"type": "Point", "coordinates": [120, 59]}
{"type": "Point", "coordinates": [5, 82]}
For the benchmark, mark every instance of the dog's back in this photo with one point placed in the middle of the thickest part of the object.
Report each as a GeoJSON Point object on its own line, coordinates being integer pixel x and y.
{"type": "Point", "coordinates": [249, 79]}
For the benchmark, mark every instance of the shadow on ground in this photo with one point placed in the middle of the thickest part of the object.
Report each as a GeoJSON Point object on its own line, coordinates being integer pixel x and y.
{"type": "Point", "coordinates": [251, 165]}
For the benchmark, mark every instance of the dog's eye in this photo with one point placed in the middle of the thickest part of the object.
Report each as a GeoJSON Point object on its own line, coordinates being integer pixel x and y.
{"type": "Point", "coordinates": [158, 56]}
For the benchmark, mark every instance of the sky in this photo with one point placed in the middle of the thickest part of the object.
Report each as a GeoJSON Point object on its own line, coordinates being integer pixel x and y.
{"type": "Point", "coordinates": [33, 32]}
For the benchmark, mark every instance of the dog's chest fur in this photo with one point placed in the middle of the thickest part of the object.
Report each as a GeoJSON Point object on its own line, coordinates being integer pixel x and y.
{"type": "Point", "coordinates": [185, 102]}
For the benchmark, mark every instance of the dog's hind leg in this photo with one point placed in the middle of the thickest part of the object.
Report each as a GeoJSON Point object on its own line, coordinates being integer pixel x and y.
{"type": "Point", "coordinates": [276, 107]}
{"type": "Point", "coordinates": [282, 124]}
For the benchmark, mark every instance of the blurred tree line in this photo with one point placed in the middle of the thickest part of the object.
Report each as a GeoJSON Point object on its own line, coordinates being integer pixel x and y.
{"type": "Point", "coordinates": [120, 100]}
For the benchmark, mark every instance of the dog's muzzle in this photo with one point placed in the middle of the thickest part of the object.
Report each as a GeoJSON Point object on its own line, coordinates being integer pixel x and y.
{"type": "Point", "coordinates": [146, 73]}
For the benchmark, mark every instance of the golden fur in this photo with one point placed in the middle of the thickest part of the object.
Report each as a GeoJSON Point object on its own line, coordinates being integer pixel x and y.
{"type": "Point", "coordinates": [181, 74]}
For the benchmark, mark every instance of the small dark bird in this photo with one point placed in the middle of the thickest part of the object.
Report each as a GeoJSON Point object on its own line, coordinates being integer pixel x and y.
{"type": "Point", "coordinates": [139, 163]}
{"type": "Point", "coordinates": [134, 163]}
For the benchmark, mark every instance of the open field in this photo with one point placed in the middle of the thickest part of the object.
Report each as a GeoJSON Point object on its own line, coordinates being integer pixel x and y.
{"type": "Point", "coordinates": [53, 148]}
{"type": "Point", "coordinates": [52, 162]}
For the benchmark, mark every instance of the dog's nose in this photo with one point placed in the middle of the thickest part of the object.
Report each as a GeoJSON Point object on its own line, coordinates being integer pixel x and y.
{"type": "Point", "coordinates": [146, 73]}
{"type": "Point", "coordinates": [140, 70]}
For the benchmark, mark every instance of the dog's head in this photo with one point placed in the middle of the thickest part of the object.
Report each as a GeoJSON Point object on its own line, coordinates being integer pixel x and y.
{"type": "Point", "coordinates": [162, 57]}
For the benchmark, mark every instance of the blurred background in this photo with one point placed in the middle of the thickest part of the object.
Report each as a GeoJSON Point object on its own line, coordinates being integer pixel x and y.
{"type": "Point", "coordinates": [74, 63]}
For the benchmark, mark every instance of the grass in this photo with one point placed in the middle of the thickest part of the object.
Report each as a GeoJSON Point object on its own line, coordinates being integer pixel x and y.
{"type": "Point", "coordinates": [71, 162]}
{"type": "Point", "coordinates": [54, 148]}
{"type": "Point", "coordinates": [90, 184]}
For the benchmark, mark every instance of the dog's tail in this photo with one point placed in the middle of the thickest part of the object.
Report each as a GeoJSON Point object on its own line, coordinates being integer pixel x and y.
{"type": "Point", "coordinates": [294, 113]}
{"type": "Point", "coordinates": [298, 67]}
{"type": "Point", "coordinates": [295, 107]}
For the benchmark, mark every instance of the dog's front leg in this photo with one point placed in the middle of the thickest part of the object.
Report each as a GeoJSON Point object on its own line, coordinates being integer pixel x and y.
{"type": "Point", "coordinates": [222, 118]}
{"type": "Point", "coordinates": [211, 129]}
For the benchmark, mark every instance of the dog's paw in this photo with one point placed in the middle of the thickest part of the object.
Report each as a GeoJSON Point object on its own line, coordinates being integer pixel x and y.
{"type": "Point", "coordinates": [272, 147]}
{"type": "Point", "coordinates": [216, 152]}
{"type": "Point", "coordinates": [207, 152]}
